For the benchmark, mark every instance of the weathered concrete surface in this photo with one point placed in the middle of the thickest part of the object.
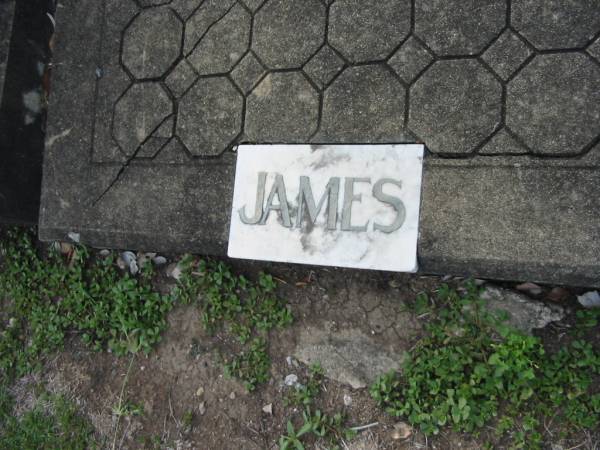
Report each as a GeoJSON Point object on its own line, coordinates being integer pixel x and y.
{"type": "Point", "coordinates": [7, 11]}
{"type": "Point", "coordinates": [140, 137]}
{"type": "Point", "coordinates": [348, 356]}
{"type": "Point", "coordinates": [513, 218]}
{"type": "Point", "coordinates": [522, 313]}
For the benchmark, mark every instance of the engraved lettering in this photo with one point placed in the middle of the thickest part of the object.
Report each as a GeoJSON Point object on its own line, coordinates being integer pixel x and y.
{"type": "Point", "coordinates": [395, 202]}
{"type": "Point", "coordinates": [306, 199]}
{"type": "Point", "coordinates": [260, 199]}
{"type": "Point", "coordinates": [279, 191]}
{"type": "Point", "coordinates": [349, 199]}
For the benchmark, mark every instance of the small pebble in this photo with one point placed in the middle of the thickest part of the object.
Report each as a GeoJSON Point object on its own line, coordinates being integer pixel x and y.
{"type": "Point", "coordinates": [347, 400]}
{"type": "Point", "coordinates": [232, 396]}
{"type": "Point", "coordinates": [291, 380]}
{"type": "Point", "coordinates": [529, 287]}
{"type": "Point", "coordinates": [174, 271]}
{"type": "Point", "coordinates": [202, 408]}
{"type": "Point", "coordinates": [159, 260]}
{"type": "Point", "coordinates": [589, 299]}
{"type": "Point", "coordinates": [401, 431]}
{"type": "Point", "coordinates": [75, 237]}
{"type": "Point", "coordinates": [558, 295]}
{"type": "Point", "coordinates": [268, 409]}
{"type": "Point", "coordinates": [200, 392]}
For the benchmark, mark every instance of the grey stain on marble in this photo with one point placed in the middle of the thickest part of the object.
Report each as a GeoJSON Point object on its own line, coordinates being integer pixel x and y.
{"type": "Point", "coordinates": [327, 160]}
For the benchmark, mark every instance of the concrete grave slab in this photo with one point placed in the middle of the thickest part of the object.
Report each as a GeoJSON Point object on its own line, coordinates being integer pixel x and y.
{"type": "Point", "coordinates": [142, 130]}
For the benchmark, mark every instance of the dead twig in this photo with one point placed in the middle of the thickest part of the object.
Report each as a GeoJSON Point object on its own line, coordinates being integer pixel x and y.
{"type": "Point", "coordinates": [364, 427]}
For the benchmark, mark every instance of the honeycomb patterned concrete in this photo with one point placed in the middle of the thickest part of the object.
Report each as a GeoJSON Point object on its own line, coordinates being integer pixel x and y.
{"type": "Point", "coordinates": [464, 77]}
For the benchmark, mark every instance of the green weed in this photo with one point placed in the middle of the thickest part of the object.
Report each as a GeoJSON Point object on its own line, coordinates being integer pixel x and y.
{"type": "Point", "coordinates": [57, 425]}
{"type": "Point", "coordinates": [470, 365]}
{"type": "Point", "coordinates": [305, 394]}
{"type": "Point", "coordinates": [251, 365]}
{"type": "Point", "coordinates": [323, 427]}
{"type": "Point", "coordinates": [329, 429]}
{"type": "Point", "coordinates": [232, 303]}
{"type": "Point", "coordinates": [48, 298]}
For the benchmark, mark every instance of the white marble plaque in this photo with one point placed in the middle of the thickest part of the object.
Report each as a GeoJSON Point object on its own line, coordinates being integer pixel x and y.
{"type": "Point", "coordinates": [333, 205]}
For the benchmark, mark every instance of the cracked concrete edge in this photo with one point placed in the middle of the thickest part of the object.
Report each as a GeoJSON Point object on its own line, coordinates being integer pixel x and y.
{"type": "Point", "coordinates": [129, 160]}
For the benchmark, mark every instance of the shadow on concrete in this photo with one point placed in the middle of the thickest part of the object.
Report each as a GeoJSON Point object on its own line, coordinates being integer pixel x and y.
{"type": "Point", "coordinates": [23, 113]}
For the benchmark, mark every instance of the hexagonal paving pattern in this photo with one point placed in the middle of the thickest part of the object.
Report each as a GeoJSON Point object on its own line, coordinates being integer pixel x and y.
{"type": "Point", "coordinates": [152, 43]}
{"type": "Point", "coordinates": [181, 78]}
{"type": "Point", "coordinates": [324, 66]}
{"type": "Point", "coordinates": [253, 4]}
{"type": "Point", "coordinates": [184, 7]}
{"type": "Point", "coordinates": [288, 32]}
{"type": "Point", "coordinates": [367, 30]}
{"type": "Point", "coordinates": [410, 59]}
{"type": "Point", "coordinates": [224, 44]}
{"type": "Point", "coordinates": [210, 116]}
{"type": "Point", "coordinates": [364, 104]}
{"type": "Point", "coordinates": [503, 143]}
{"type": "Point", "coordinates": [284, 107]}
{"type": "Point", "coordinates": [550, 24]}
{"type": "Point", "coordinates": [356, 71]}
{"type": "Point", "coordinates": [248, 72]}
{"type": "Point", "coordinates": [459, 27]}
{"type": "Point", "coordinates": [553, 104]}
{"type": "Point", "coordinates": [455, 105]}
{"type": "Point", "coordinates": [506, 54]}
{"type": "Point", "coordinates": [138, 114]}
{"type": "Point", "coordinates": [205, 17]}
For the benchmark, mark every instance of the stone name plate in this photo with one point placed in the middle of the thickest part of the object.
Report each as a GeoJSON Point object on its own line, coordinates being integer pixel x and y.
{"type": "Point", "coordinates": [333, 205]}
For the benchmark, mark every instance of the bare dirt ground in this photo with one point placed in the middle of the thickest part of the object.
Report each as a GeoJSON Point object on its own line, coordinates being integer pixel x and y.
{"type": "Point", "coordinates": [177, 397]}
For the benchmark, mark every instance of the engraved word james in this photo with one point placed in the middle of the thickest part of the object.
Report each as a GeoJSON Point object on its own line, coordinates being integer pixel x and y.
{"type": "Point", "coordinates": [308, 209]}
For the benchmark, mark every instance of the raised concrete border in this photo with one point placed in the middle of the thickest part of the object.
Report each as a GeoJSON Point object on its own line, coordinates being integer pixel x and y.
{"type": "Point", "coordinates": [139, 151]}
{"type": "Point", "coordinates": [513, 218]}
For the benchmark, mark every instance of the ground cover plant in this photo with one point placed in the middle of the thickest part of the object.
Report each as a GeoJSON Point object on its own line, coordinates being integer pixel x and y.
{"type": "Point", "coordinates": [49, 294]}
{"type": "Point", "coordinates": [313, 424]}
{"type": "Point", "coordinates": [471, 370]}
{"type": "Point", "coordinates": [47, 298]}
{"type": "Point", "coordinates": [53, 423]}
{"type": "Point", "coordinates": [245, 310]}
